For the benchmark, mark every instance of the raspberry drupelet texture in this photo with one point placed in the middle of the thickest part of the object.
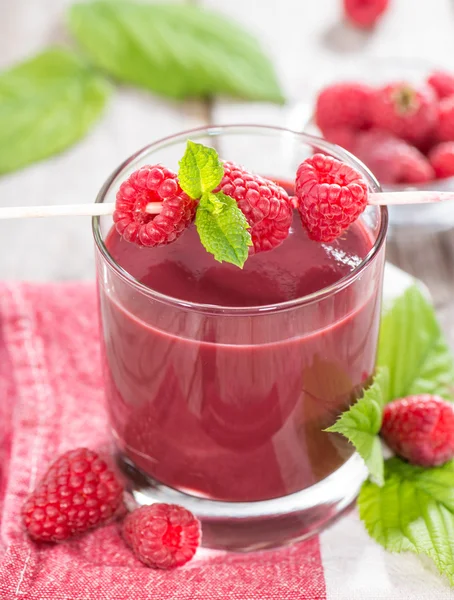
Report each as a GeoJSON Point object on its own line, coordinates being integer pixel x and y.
{"type": "Point", "coordinates": [265, 205]}
{"type": "Point", "coordinates": [163, 536]}
{"type": "Point", "coordinates": [420, 429]}
{"type": "Point", "coordinates": [78, 492]}
{"type": "Point", "coordinates": [152, 183]}
{"type": "Point", "coordinates": [330, 196]}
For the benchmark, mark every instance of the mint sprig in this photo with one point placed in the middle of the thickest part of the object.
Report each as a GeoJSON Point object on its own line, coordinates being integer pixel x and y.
{"type": "Point", "coordinates": [413, 511]}
{"type": "Point", "coordinates": [200, 170]}
{"type": "Point", "coordinates": [362, 423]}
{"type": "Point", "coordinates": [221, 225]}
{"type": "Point", "coordinates": [223, 229]}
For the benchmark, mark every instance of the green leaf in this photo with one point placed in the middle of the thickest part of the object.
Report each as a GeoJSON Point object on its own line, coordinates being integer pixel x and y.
{"type": "Point", "coordinates": [223, 231]}
{"type": "Point", "coordinates": [200, 170]}
{"type": "Point", "coordinates": [46, 104]}
{"type": "Point", "coordinates": [176, 50]}
{"type": "Point", "coordinates": [362, 422]}
{"type": "Point", "coordinates": [414, 350]}
{"type": "Point", "coordinates": [413, 511]}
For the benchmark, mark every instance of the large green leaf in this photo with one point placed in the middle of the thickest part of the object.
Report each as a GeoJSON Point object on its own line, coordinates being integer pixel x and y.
{"type": "Point", "coordinates": [362, 422]}
{"type": "Point", "coordinates": [413, 511]}
{"type": "Point", "coordinates": [176, 50]}
{"type": "Point", "coordinates": [47, 104]}
{"type": "Point", "coordinates": [413, 349]}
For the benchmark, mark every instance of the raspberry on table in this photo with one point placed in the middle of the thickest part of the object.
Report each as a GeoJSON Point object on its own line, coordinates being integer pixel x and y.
{"type": "Point", "coordinates": [330, 196]}
{"type": "Point", "coordinates": [78, 492]}
{"type": "Point", "coordinates": [420, 429]}
{"type": "Point", "coordinates": [153, 183]}
{"type": "Point", "coordinates": [163, 536]}
{"type": "Point", "coordinates": [405, 111]}
{"type": "Point", "coordinates": [443, 83]}
{"type": "Point", "coordinates": [391, 159]}
{"type": "Point", "coordinates": [343, 105]}
{"type": "Point", "coordinates": [365, 13]}
{"type": "Point", "coordinates": [265, 205]}
{"type": "Point", "coordinates": [442, 159]}
{"type": "Point", "coordinates": [445, 128]}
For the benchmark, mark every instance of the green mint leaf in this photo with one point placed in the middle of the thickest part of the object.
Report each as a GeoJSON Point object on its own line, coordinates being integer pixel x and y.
{"type": "Point", "coordinates": [46, 104]}
{"type": "Point", "coordinates": [176, 50]}
{"type": "Point", "coordinates": [223, 228]}
{"type": "Point", "coordinates": [362, 422]}
{"type": "Point", "coordinates": [200, 170]}
{"type": "Point", "coordinates": [413, 511]}
{"type": "Point", "coordinates": [413, 348]}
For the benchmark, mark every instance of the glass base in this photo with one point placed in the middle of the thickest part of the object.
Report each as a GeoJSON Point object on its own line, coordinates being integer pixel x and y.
{"type": "Point", "coordinates": [248, 526]}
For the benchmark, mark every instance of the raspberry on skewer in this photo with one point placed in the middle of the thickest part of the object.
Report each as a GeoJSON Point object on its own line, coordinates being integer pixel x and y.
{"type": "Point", "coordinates": [265, 205]}
{"type": "Point", "coordinates": [330, 196]}
{"type": "Point", "coordinates": [152, 184]}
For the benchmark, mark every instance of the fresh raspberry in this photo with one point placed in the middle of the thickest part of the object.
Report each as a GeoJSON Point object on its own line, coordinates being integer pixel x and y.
{"type": "Point", "coordinates": [343, 105]}
{"type": "Point", "coordinates": [162, 536]}
{"type": "Point", "coordinates": [442, 159]}
{"type": "Point", "coordinates": [152, 184]}
{"type": "Point", "coordinates": [414, 166]}
{"type": "Point", "coordinates": [342, 136]}
{"type": "Point", "coordinates": [77, 493]}
{"type": "Point", "coordinates": [420, 429]}
{"type": "Point", "coordinates": [330, 195]}
{"type": "Point", "coordinates": [392, 160]}
{"type": "Point", "coordinates": [445, 129]}
{"type": "Point", "coordinates": [265, 205]}
{"type": "Point", "coordinates": [408, 112]}
{"type": "Point", "coordinates": [365, 13]}
{"type": "Point", "coordinates": [443, 83]}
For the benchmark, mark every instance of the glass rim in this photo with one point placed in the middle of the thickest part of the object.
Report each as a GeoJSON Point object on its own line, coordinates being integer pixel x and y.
{"type": "Point", "coordinates": [215, 130]}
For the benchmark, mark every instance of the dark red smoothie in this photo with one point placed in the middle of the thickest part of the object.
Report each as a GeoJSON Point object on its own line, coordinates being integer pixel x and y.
{"type": "Point", "coordinates": [228, 403]}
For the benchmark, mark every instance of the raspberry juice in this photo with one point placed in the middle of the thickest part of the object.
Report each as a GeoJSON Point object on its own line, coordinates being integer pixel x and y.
{"type": "Point", "coordinates": [220, 381]}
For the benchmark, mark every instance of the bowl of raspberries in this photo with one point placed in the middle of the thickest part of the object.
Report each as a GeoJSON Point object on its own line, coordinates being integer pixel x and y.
{"type": "Point", "coordinates": [402, 128]}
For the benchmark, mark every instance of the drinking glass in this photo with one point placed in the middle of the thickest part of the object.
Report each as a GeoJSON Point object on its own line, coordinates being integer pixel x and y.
{"type": "Point", "coordinates": [222, 409]}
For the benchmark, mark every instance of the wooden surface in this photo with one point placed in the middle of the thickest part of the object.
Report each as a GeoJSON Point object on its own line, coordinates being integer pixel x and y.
{"type": "Point", "coordinates": [309, 44]}
{"type": "Point", "coordinates": [431, 258]}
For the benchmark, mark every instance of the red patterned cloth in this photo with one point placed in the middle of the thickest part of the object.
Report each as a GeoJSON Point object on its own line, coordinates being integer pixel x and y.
{"type": "Point", "coordinates": [51, 400]}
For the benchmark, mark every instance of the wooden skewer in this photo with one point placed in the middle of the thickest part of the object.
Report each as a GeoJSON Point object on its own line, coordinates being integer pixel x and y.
{"type": "Point", "coordinates": [154, 208]}
{"type": "Point", "coordinates": [410, 197]}
{"type": "Point", "coordinates": [69, 210]}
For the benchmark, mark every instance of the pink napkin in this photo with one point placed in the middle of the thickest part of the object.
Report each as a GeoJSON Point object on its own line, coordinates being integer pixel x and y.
{"type": "Point", "coordinates": [51, 401]}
